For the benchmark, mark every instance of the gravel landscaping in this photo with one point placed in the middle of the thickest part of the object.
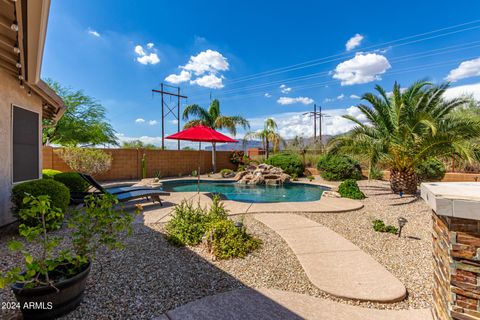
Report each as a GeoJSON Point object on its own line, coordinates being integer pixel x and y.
{"type": "Point", "coordinates": [150, 276]}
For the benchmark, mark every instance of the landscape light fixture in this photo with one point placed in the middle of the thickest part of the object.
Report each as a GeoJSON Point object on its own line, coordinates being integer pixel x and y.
{"type": "Point", "coordinates": [401, 223]}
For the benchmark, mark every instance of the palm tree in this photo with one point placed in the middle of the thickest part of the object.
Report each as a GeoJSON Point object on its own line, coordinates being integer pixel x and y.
{"type": "Point", "coordinates": [268, 135]}
{"type": "Point", "coordinates": [213, 118]}
{"type": "Point", "coordinates": [404, 129]}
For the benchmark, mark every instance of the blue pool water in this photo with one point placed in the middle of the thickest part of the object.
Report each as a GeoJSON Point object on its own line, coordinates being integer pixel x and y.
{"type": "Point", "coordinates": [291, 192]}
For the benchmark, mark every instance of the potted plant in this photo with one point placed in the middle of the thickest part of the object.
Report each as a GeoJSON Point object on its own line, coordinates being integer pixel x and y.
{"type": "Point", "coordinates": [52, 282]}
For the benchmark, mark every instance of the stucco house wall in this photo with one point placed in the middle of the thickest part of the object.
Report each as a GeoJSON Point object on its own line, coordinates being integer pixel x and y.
{"type": "Point", "coordinates": [11, 94]}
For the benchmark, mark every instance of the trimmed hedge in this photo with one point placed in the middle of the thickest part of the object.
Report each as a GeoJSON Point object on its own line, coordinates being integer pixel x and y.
{"type": "Point", "coordinates": [58, 193]}
{"type": "Point", "coordinates": [73, 181]}
{"type": "Point", "coordinates": [49, 173]}
{"type": "Point", "coordinates": [290, 163]}
{"type": "Point", "coordinates": [339, 167]}
{"type": "Point", "coordinates": [349, 189]}
{"type": "Point", "coordinates": [430, 170]}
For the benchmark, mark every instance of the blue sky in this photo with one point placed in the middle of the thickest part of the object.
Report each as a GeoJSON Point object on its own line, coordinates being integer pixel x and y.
{"type": "Point", "coordinates": [259, 58]}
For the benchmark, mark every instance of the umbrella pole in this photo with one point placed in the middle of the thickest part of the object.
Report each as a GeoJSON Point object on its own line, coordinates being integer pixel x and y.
{"type": "Point", "coordinates": [199, 161]}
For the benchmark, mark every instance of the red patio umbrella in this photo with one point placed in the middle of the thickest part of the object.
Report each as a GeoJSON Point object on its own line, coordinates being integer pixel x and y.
{"type": "Point", "coordinates": [202, 134]}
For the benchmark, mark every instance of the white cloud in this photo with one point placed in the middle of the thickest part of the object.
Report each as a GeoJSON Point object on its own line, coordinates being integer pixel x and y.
{"type": "Point", "coordinates": [157, 141]}
{"type": "Point", "coordinates": [327, 100]}
{"type": "Point", "coordinates": [207, 66]}
{"type": "Point", "coordinates": [363, 68]}
{"type": "Point", "coordinates": [93, 33]}
{"type": "Point", "coordinates": [458, 91]}
{"type": "Point", "coordinates": [291, 124]}
{"type": "Point", "coordinates": [207, 61]}
{"type": "Point", "coordinates": [173, 121]}
{"type": "Point", "coordinates": [466, 69]}
{"type": "Point", "coordinates": [341, 97]}
{"type": "Point", "coordinates": [268, 95]}
{"type": "Point", "coordinates": [149, 56]}
{"type": "Point", "coordinates": [354, 42]}
{"type": "Point", "coordinates": [209, 81]}
{"type": "Point", "coordinates": [289, 100]}
{"type": "Point", "coordinates": [284, 89]}
{"type": "Point", "coordinates": [140, 120]}
{"type": "Point", "coordinates": [152, 122]}
{"type": "Point", "coordinates": [354, 96]}
{"type": "Point", "coordinates": [179, 78]}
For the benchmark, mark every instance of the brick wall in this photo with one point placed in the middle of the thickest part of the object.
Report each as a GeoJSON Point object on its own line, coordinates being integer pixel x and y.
{"type": "Point", "coordinates": [456, 252]}
{"type": "Point", "coordinates": [449, 176]}
{"type": "Point", "coordinates": [126, 163]}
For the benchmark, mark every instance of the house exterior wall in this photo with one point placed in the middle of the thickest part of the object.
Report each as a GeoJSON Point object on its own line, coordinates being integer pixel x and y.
{"type": "Point", "coordinates": [11, 94]}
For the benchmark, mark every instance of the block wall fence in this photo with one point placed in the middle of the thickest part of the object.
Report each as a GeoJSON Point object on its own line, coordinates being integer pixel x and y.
{"type": "Point", "coordinates": [126, 163]}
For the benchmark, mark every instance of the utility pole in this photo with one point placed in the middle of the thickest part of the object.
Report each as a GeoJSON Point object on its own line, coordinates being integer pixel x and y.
{"type": "Point", "coordinates": [170, 109]}
{"type": "Point", "coordinates": [317, 115]}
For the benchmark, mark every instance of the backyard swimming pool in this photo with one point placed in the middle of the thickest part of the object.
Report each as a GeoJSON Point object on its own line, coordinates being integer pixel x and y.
{"type": "Point", "coordinates": [291, 192]}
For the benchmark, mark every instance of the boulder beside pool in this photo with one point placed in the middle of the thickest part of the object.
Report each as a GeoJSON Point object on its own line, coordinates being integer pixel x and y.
{"type": "Point", "coordinates": [262, 174]}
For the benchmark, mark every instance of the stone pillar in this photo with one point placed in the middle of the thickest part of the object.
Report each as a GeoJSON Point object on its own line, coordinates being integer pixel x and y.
{"type": "Point", "coordinates": [456, 249]}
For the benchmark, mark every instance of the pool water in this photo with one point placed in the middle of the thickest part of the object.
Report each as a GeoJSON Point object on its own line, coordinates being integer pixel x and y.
{"type": "Point", "coordinates": [291, 192]}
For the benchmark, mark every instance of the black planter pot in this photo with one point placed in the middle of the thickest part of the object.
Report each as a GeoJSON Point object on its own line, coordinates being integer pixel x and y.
{"type": "Point", "coordinates": [47, 303]}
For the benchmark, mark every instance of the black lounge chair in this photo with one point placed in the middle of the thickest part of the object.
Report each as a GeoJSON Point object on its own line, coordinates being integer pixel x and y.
{"type": "Point", "coordinates": [123, 194]}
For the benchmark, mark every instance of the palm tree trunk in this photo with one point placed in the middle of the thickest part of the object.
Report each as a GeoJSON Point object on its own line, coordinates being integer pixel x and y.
{"type": "Point", "coordinates": [214, 157]}
{"type": "Point", "coordinates": [403, 181]}
{"type": "Point", "coordinates": [267, 146]}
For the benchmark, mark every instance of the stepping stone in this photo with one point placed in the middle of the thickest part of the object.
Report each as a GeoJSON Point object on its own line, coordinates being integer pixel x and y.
{"type": "Point", "coordinates": [334, 264]}
{"type": "Point", "coordinates": [270, 304]}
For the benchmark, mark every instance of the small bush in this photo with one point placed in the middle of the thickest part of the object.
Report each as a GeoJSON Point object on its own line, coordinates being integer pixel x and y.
{"type": "Point", "coordinates": [290, 163]}
{"type": "Point", "coordinates": [339, 167]}
{"type": "Point", "coordinates": [379, 226]}
{"type": "Point", "coordinates": [349, 189]}
{"type": "Point", "coordinates": [58, 193]}
{"type": "Point", "coordinates": [294, 176]}
{"type": "Point", "coordinates": [226, 173]}
{"type": "Point", "coordinates": [375, 174]}
{"type": "Point", "coordinates": [49, 173]}
{"type": "Point", "coordinates": [73, 181]}
{"type": "Point", "coordinates": [85, 160]}
{"type": "Point", "coordinates": [430, 170]}
{"type": "Point", "coordinates": [227, 241]}
{"type": "Point", "coordinates": [310, 178]}
{"type": "Point", "coordinates": [187, 225]}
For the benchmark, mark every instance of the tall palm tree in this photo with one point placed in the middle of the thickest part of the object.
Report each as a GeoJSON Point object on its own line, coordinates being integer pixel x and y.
{"type": "Point", "coordinates": [404, 129]}
{"type": "Point", "coordinates": [268, 135]}
{"type": "Point", "coordinates": [213, 118]}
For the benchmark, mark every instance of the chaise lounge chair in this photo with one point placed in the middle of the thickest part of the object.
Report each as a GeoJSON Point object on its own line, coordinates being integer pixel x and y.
{"type": "Point", "coordinates": [123, 194]}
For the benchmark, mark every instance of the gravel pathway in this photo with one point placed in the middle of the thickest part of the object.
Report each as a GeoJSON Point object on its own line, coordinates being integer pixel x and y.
{"type": "Point", "coordinates": [150, 276]}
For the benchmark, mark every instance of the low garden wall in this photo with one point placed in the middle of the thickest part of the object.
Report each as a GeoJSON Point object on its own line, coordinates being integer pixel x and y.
{"type": "Point", "coordinates": [126, 163]}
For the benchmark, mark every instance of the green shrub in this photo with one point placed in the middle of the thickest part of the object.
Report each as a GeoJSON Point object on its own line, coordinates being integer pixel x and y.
{"type": "Point", "coordinates": [227, 241]}
{"type": "Point", "coordinates": [73, 181]}
{"type": "Point", "coordinates": [226, 173]}
{"type": "Point", "coordinates": [349, 189]}
{"type": "Point", "coordinates": [375, 174]}
{"type": "Point", "coordinates": [187, 225]}
{"type": "Point", "coordinates": [294, 176]}
{"type": "Point", "coordinates": [339, 167]}
{"type": "Point", "coordinates": [379, 226]}
{"type": "Point", "coordinates": [430, 170]}
{"type": "Point", "coordinates": [49, 173]}
{"type": "Point", "coordinates": [290, 163]}
{"type": "Point", "coordinates": [310, 178]}
{"type": "Point", "coordinates": [190, 224]}
{"type": "Point", "coordinates": [58, 193]}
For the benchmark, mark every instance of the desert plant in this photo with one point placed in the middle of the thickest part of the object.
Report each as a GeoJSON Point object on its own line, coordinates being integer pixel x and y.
{"type": "Point", "coordinates": [430, 170]}
{"type": "Point", "coordinates": [379, 226]}
{"type": "Point", "coordinates": [339, 167]}
{"type": "Point", "coordinates": [310, 178]}
{"type": "Point", "coordinates": [406, 128]}
{"type": "Point", "coordinates": [226, 173]}
{"type": "Point", "coordinates": [187, 225]}
{"type": "Point", "coordinates": [226, 241]}
{"type": "Point", "coordinates": [290, 163]}
{"type": "Point", "coordinates": [143, 164]}
{"type": "Point", "coordinates": [157, 174]}
{"type": "Point", "coordinates": [58, 194]}
{"type": "Point", "coordinates": [375, 174]}
{"type": "Point", "coordinates": [294, 176]}
{"type": "Point", "coordinates": [73, 181]}
{"type": "Point", "coordinates": [85, 160]}
{"type": "Point", "coordinates": [49, 173]}
{"type": "Point", "coordinates": [349, 189]}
